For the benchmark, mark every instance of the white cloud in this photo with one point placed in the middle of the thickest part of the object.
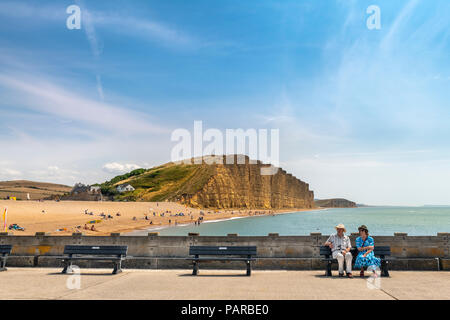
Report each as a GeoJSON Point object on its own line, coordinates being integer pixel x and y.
{"type": "Point", "coordinates": [115, 167]}
{"type": "Point", "coordinates": [53, 174]}
{"type": "Point", "coordinates": [9, 174]}
{"type": "Point", "coordinates": [53, 170]}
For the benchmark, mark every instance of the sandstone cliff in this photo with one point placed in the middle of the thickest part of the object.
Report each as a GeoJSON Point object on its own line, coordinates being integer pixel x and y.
{"type": "Point", "coordinates": [243, 186]}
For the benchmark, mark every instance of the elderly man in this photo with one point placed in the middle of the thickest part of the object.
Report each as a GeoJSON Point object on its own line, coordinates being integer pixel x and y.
{"type": "Point", "coordinates": [340, 246]}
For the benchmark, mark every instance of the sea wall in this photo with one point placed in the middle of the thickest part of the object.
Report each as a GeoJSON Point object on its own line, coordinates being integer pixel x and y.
{"type": "Point", "coordinates": [273, 251]}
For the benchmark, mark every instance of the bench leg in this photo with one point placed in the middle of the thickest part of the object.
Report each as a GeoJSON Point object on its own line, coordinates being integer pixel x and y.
{"type": "Point", "coordinates": [3, 264]}
{"type": "Point", "coordinates": [67, 265]}
{"type": "Point", "coordinates": [195, 268]}
{"type": "Point", "coordinates": [249, 268]}
{"type": "Point", "coordinates": [328, 269]}
{"type": "Point", "coordinates": [384, 268]}
{"type": "Point", "coordinates": [117, 267]}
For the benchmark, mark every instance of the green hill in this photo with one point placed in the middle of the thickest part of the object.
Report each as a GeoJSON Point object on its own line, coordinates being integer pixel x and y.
{"type": "Point", "coordinates": [36, 190]}
{"type": "Point", "coordinates": [166, 182]}
{"type": "Point", "coordinates": [335, 203]}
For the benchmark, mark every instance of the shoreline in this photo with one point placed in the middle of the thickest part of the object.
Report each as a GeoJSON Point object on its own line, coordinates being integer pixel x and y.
{"type": "Point", "coordinates": [67, 217]}
{"type": "Point", "coordinates": [163, 227]}
{"type": "Point", "coordinates": [243, 216]}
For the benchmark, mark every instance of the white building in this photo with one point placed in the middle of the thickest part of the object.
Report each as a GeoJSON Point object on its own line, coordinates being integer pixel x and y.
{"type": "Point", "coordinates": [94, 189]}
{"type": "Point", "coordinates": [125, 188]}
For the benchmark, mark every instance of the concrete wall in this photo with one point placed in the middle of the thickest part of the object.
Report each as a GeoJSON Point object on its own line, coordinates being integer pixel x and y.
{"type": "Point", "coordinates": [274, 252]}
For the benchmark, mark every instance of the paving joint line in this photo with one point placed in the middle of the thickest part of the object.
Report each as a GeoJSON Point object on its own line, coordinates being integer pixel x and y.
{"type": "Point", "coordinates": [123, 274]}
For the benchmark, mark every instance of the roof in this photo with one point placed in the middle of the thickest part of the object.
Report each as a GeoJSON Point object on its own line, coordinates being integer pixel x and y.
{"type": "Point", "coordinates": [124, 185]}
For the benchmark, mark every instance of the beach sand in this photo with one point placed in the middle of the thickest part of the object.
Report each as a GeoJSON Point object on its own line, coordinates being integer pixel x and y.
{"type": "Point", "coordinates": [67, 217]}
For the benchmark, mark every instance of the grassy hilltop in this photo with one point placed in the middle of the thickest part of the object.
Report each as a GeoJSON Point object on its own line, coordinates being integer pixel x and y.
{"type": "Point", "coordinates": [165, 182]}
{"type": "Point", "coordinates": [36, 190]}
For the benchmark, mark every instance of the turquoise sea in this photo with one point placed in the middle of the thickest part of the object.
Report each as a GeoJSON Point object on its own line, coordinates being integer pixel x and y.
{"type": "Point", "coordinates": [379, 220]}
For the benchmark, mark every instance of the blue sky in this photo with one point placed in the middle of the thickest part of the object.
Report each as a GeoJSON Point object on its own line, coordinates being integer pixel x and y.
{"type": "Point", "coordinates": [362, 113]}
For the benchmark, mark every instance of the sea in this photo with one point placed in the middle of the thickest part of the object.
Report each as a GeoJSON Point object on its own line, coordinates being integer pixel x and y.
{"type": "Point", "coordinates": [417, 221]}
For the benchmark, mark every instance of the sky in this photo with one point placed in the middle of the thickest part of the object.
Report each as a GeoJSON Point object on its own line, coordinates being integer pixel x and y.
{"type": "Point", "coordinates": [362, 113]}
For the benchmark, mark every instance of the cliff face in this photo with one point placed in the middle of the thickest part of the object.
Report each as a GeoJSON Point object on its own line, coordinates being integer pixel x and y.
{"type": "Point", "coordinates": [335, 203]}
{"type": "Point", "coordinates": [243, 186]}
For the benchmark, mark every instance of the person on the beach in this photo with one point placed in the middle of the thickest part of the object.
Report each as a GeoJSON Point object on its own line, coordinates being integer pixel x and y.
{"type": "Point", "coordinates": [340, 246]}
{"type": "Point", "coordinates": [365, 258]}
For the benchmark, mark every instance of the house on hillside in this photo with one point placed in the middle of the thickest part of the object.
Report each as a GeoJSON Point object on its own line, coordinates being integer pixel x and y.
{"type": "Point", "coordinates": [79, 188]}
{"type": "Point", "coordinates": [83, 192]}
{"type": "Point", "coordinates": [95, 189]}
{"type": "Point", "coordinates": [125, 188]}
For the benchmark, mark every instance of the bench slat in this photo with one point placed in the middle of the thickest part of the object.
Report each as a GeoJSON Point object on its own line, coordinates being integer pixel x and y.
{"type": "Point", "coordinates": [221, 259]}
{"type": "Point", "coordinates": [94, 258]}
{"type": "Point", "coordinates": [222, 250]}
{"type": "Point", "coordinates": [382, 250]}
{"type": "Point", "coordinates": [5, 248]}
{"type": "Point", "coordinates": [378, 250]}
{"type": "Point", "coordinates": [96, 250]}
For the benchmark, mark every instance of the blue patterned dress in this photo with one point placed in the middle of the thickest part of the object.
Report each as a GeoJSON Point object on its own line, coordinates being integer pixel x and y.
{"type": "Point", "coordinates": [370, 259]}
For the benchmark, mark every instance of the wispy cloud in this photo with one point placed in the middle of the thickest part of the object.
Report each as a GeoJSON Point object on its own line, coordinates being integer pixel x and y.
{"type": "Point", "coordinates": [100, 88]}
{"type": "Point", "coordinates": [146, 29]}
{"type": "Point", "coordinates": [41, 95]}
{"type": "Point", "coordinates": [404, 14]}
{"type": "Point", "coordinates": [117, 168]}
{"type": "Point", "coordinates": [89, 28]}
{"type": "Point", "coordinates": [10, 174]}
{"type": "Point", "coordinates": [125, 23]}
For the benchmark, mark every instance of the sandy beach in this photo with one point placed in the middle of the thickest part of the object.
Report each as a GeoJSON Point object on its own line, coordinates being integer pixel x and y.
{"type": "Point", "coordinates": [67, 217]}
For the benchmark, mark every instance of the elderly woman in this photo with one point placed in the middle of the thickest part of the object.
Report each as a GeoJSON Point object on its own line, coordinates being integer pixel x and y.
{"type": "Point", "coordinates": [365, 246]}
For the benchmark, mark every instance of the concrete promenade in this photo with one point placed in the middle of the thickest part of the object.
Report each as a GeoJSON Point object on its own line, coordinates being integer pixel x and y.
{"type": "Point", "coordinates": [48, 283]}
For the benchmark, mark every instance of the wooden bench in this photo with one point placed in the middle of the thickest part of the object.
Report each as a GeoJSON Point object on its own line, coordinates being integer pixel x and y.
{"type": "Point", "coordinates": [5, 251]}
{"type": "Point", "coordinates": [116, 254]}
{"type": "Point", "coordinates": [380, 251]}
{"type": "Point", "coordinates": [222, 253]}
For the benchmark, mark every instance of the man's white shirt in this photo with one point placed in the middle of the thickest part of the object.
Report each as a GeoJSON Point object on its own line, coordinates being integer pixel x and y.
{"type": "Point", "coordinates": [339, 243]}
